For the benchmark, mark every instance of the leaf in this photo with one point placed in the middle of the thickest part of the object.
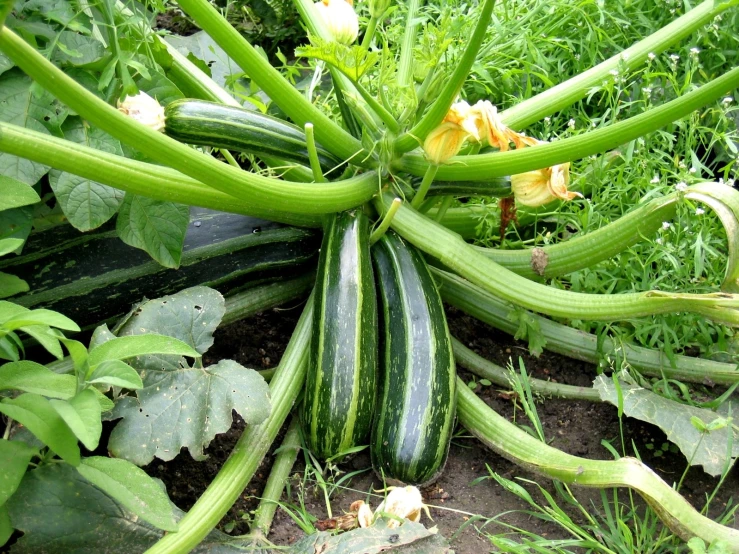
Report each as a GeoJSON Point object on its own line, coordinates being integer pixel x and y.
{"type": "Point", "coordinates": [100, 335]}
{"type": "Point", "coordinates": [11, 285]}
{"type": "Point", "coordinates": [116, 373]}
{"type": "Point", "coordinates": [160, 88]}
{"type": "Point", "coordinates": [46, 338]}
{"type": "Point", "coordinates": [86, 204]}
{"type": "Point", "coordinates": [10, 245]}
{"type": "Point", "coordinates": [154, 226]}
{"type": "Point", "coordinates": [708, 450]}
{"type": "Point", "coordinates": [409, 538]}
{"type": "Point", "coordinates": [16, 223]}
{"type": "Point", "coordinates": [41, 316]}
{"type": "Point", "coordinates": [61, 512]}
{"type": "Point", "coordinates": [82, 414]}
{"type": "Point", "coordinates": [14, 458]}
{"type": "Point", "coordinates": [352, 61]}
{"type": "Point", "coordinates": [59, 11]}
{"type": "Point", "coordinates": [32, 377]}
{"type": "Point", "coordinates": [121, 348]}
{"type": "Point", "coordinates": [14, 193]}
{"type": "Point", "coordinates": [5, 62]}
{"type": "Point", "coordinates": [37, 414]}
{"type": "Point", "coordinates": [132, 488]}
{"type": "Point", "coordinates": [20, 106]}
{"type": "Point", "coordinates": [201, 46]}
{"type": "Point", "coordinates": [186, 408]}
{"type": "Point", "coordinates": [77, 50]}
{"type": "Point", "coordinates": [528, 328]}
{"type": "Point", "coordinates": [6, 528]}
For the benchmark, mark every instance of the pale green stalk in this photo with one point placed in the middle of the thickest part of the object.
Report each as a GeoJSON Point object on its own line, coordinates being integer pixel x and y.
{"type": "Point", "coordinates": [405, 70]}
{"type": "Point", "coordinates": [434, 116]}
{"type": "Point", "coordinates": [154, 181]}
{"type": "Point", "coordinates": [462, 258]}
{"type": "Point", "coordinates": [501, 376]}
{"type": "Point", "coordinates": [282, 93]}
{"type": "Point", "coordinates": [485, 166]}
{"type": "Point", "coordinates": [428, 178]}
{"type": "Point", "coordinates": [261, 191]}
{"type": "Point", "coordinates": [579, 344]}
{"type": "Point", "coordinates": [387, 219]}
{"type": "Point", "coordinates": [572, 90]}
{"type": "Point", "coordinates": [254, 443]}
{"type": "Point", "coordinates": [369, 32]}
{"type": "Point", "coordinates": [521, 448]}
{"type": "Point", "coordinates": [315, 164]}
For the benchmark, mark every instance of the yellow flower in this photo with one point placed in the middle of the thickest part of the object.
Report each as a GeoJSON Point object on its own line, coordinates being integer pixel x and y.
{"type": "Point", "coordinates": [489, 126]}
{"type": "Point", "coordinates": [340, 19]}
{"type": "Point", "coordinates": [536, 188]}
{"type": "Point", "coordinates": [144, 109]}
{"type": "Point", "coordinates": [448, 138]}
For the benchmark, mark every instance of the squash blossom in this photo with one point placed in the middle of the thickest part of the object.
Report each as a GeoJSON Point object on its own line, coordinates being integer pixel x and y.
{"type": "Point", "coordinates": [448, 138]}
{"type": "Point", "coordinates": [402, 502]}
{"type": "Point", "coordinates": [536, 188]}
{"type": "Point", "coordinates": [144, 109]}
{"type": "Point", "coordinates": [340, 19]}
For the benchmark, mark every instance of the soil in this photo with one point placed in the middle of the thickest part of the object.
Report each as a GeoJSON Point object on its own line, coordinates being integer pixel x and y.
{"type": "Point", "coordinates": [464, 490]}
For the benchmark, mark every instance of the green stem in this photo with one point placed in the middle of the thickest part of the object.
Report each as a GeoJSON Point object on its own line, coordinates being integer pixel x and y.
{"type": "Point", "coordinates": [405, 65]}
{"type": "Point", "coordinates": [572, 90]}
{"type": "Point", "coordinates": [261, 191]}
{"type": "Point", "coordinates": [446, 202]}
{"type": "Point", "coordinates": [462, 258]}
{"type": "Point", "coordinates": [516, 445]}
{"type": "Point", "coordinates": [484, 166]}
{"type": "Point", "coordinates": [315, 164]}
{"type": "Point", "coordinates": [387, 219]}
{"type": "Point", "coordinates": [283, 464]}
{"type": "Point", "coordinates": [425, 185]}
{"type": "Point", "coordinates": [437, 112]}
{"type": "Point", "coordinates": [292, 102]}
{"type": "Point", "coordinates": [579, 344]}
{"type": "Point", "coordinates": [501, 376]}
{"type": "Point", "coordinates": [254, 443]}
{"type": "Point", "coordinates": [386, 117]}
{"type": "Point", "coordinates": [229, 157]}
{"type": "Point", "coordinates": [154, 181]}
{"type": "Point", "coordinates": [369, 33]}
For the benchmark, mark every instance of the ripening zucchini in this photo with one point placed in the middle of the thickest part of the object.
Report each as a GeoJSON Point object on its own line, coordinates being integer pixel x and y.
{"type": "Point", "coordinates": [340, 384]}
{"type": "Point", "coordinates": [94, 277]}
{"type": "Point", "coordinates": [213, 124]}
{"type": "Point", "coordinates": [414, 419]}
{"type": "Point", "coordinates": [498, 187]}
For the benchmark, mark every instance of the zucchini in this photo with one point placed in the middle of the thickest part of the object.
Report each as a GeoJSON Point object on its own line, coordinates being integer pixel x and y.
{"type": "Point", "coordinates": [499, 187]}
{"type": "Point", "coordinates": [212, 124]}
{"type": "Point", "coordinates": [94, 277]}
{"type": "Point", "coordinates": [416, 404]}
{"type": "Point", "coordinates": [336, 413]}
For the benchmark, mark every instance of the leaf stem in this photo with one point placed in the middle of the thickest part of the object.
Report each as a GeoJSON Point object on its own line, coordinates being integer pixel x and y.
{"type": "Point", "coordinates": [387, 219]}
{"type": "Point", "coordinates": [315, 164]}
{"type": "Point", "coordinates": [405, 73]}
{"type": "Point", "coordinates": [369, 32]}
{"type": "Point", "coordinates": [425, 185]}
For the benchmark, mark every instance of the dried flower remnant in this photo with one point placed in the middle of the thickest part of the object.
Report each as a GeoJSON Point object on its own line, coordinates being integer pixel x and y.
{"type": "Point", "coordinates": [340, 19]}
{"type": "Point", "coordinates": [144, 109]}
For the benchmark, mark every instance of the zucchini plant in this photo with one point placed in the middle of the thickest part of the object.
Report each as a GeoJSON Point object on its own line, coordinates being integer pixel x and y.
{"type": "Point", "coordinates": [400, 156]}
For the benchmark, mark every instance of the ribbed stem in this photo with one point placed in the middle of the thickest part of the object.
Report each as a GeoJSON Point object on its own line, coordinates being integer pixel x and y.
{"type": "Point", "coordinates": [462, 258]}
{"type": "Point", "coordinates": [516, 445]}
{"type": "Point", "coordinates": [405, 64]}
{"type": "Point", "coordinates": [579, 344]}
{"type": "Point", "coordinates": [154, 181]}
{"type": "Point", "coordinates": [261, 191]}
{"type": "Point", "coordinates": [484, 166]}
{"type": "Point", "coordinates": [250, 302]}
{"type": "Point", "coordinates": [254, 443]}
{"type": "Point", "coordinates": [501, 376]}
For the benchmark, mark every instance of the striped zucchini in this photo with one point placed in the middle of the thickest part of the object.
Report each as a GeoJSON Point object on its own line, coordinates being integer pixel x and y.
{"type": "Point", "coordinates": [339, 397]}
{"type": "Point", "coordinates": [95, 277]}
{"type": "Point", "coordinates": [498, 187]}
{"type": "Point", "coordinates": [213, 124]}
{"type": "Point", "coordinates": [416, 405]}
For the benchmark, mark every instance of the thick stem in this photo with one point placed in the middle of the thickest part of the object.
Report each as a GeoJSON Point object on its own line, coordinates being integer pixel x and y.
{"type": "Point", "coordinates": [579, 344]}
{"type": "Point", "coordinates": [484, 166]}
{"type": "Point", "coordinates": [261, 191]}
{"type": "Point", "coordinates": [369, 33]}
{"type": "Point", "coordinates": [425, 185]}
{"type": "Point", "coordinates": [254, 443]}
{"type": "Point", "coordinates": [513, 443]}
{"type": "Point", "coordinates": [433, 117]}
{"type": "Point", "coordinates": [405, 72]}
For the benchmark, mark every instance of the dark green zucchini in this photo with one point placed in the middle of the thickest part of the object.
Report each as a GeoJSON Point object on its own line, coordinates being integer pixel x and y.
{"type": "Point", "coordinates": [498, 187]}
{"type": "Point", "coordinates": [340, 384]}
{"type": "Point", "coordinates": [95, 277]}
{"type": "Point", "coordinates": [414, 420]}
{"type": "Point", "coordinates": [213, 124]}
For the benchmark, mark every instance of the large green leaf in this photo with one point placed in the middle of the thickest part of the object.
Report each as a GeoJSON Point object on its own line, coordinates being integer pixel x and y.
{"type": "Point", "coordinates": [46, 337]}
{"type": "Point", "coordinates": [87, 204]}
{"type": "Point", "coordinates": [6, 528]}
{"type": "Point", "coordinates": [59, 11]}
{"type": "Point", "coordinates": [76, 49]}
{"type": "Point", "coordinates": [160, 88]}
{"type": "Point", "coordinates": [121, 348]}
{"type": "Point", "coordinates": [5, 63]}
{"type": "Point", "coordinates": [205, 49]}
{"type": "Point", "coordinates": [16, 223]}
{"type": "Point", "coordinates": [34, 109]}
{"type": "Point", "coordinates": [352, 61]}
{"type": "Point", "coordinates": [37, 414]}
{"type": "Point", "coordinates": [155, 226]}
{"type": "Point", "coordinates": [186, 408]}
{"type": "Point", "coordinates": [116, 373]}
{"type": "Point", "coordinates": [14, 193]}
{"type": "Point", "coordinates": [29, 376]}
{"type": "Point", "coordinates": [131, 487]}
{"type": "Point", "coordinates": [14, 458]}
{"type": "Point", "coordinates": [11, 285]}
{"type": "Point", "coordinates": [40, 316]}
{"type": "Point", "coordinates": [710, 450]}
{"type": "Point", "coordinates": [82, 414]}
{"type": "Point", "coordinates": [61, 512]}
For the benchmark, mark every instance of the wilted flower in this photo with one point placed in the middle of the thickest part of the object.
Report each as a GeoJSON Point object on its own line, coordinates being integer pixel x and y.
{"type": "Point", "coordinates": [340, 19]}
{"type": "Point", "coordinates": [144, 109]}
{"type": "Point", "coordinates": [402, 502]}
{"type": "Point", "coordinates": [536, 188]}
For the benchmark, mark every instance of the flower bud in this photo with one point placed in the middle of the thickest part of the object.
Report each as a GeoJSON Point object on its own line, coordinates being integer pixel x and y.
{"type": "Point", "coordinates": [536, 188]}
{"type": "Point", "coordinates": [378, 7]}
{"type": "Point", "coordinates": [340, 19]}
{"type": "Point", "coordinates": [144, 109]}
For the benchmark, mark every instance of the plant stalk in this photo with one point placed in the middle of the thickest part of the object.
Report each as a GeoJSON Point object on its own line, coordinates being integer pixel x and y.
{"type": "Point", "coordinates": [405, 71]}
